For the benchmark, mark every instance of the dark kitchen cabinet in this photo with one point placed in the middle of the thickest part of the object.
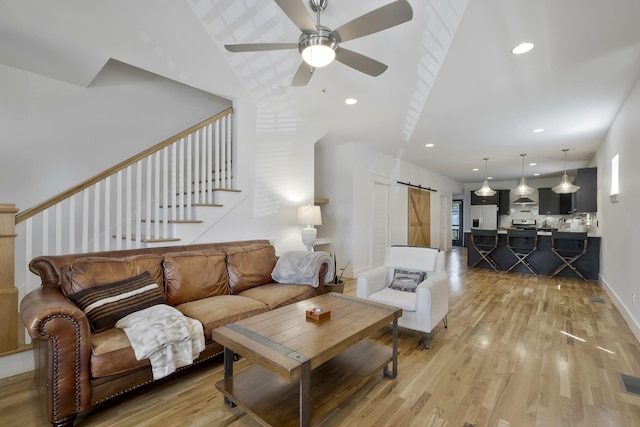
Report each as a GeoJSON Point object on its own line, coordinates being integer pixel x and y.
{"type": "Point", "coordinates": [549, 202]}
{"type": "Point", "coordinates": [504, 202]}
{"type": "Point", "coordinates": [485, 200]}
{"type": "Point", "coordinates": [587, 195]}
{"type": "Point", "coordinates": [555, 204]}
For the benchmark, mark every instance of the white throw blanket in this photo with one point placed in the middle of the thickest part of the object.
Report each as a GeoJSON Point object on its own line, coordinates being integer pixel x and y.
{"type": "Point", "coordinates": [165, 336]}
{"type": "Point", "coordinates": [302, 267]}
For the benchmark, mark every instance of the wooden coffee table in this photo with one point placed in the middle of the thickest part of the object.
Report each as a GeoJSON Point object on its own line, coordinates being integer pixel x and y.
{"type": "Point", "coordinates": [304, 368]}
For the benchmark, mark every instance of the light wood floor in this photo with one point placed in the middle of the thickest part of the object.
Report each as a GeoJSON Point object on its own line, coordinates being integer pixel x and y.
{"type": "Point", "coordinates": [506, 360]}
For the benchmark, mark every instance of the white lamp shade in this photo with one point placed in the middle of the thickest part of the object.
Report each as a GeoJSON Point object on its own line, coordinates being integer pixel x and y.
{"type": "Point", "coordinates": [318, 55]}
{"type": "Point", "coordinates": [309, 215]}
{"type": "Point", "coordinates": [485, 190]}
{"type": "Point", "coordinates": [565, 187]}
{"type": "Point", "coordinates": [523, 189]}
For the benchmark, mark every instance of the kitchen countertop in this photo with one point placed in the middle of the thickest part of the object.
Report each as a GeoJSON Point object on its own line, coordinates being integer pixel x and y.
{"type": "Point", "coordinates": [503, 230]}
{"type": "Point", "coordinates": [543, 259]}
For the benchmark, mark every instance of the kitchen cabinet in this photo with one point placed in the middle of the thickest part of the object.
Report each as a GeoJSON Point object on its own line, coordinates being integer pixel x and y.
{"type": "Point", "coordinates": [485, 200]}
{"type": "Point", "coordinates": [549, 202]}
{"type": "Point", "coordinates": [555, 204]}
{"type": "Point", "coordinates": [587, 195]}
{"type": "Point", "coordinates": [504, 202]}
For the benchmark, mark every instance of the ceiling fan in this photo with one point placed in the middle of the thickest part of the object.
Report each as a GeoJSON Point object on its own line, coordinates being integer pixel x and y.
{"type": "Point", "coordinates": [319, 45]}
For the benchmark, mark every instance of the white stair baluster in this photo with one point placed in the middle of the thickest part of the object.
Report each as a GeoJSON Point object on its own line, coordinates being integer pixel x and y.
{"type": "Point", "coordinates": [180, 179]}
{"type": "Point", "coordinates": [97, 215]}
{"type": "Point", "coordinates": [188, 178]}
{"type": "Point", "coordinates": [138, 200]}
{"type": "Point", "coordinates": [166, 200]}
{"type": "Point", "coordinates": [157, 193]}
{"type": "Point", "coordinates": [85, 220]}
{"type": "Point", "coordinates": [118, 218]}
{"type": "Point", "coordinates": [107, 214]}
{"type": "Point", "coordinates": [58, 230]}
{"type": "Point", "coordinates": [209, 171]}
{"type": "Point", "coordinates": [216, 154]}
{"type": "Point", "coordinates": [196, 167]}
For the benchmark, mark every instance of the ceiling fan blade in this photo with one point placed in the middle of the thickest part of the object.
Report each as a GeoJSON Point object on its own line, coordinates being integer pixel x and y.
{"type": "Point", "coordinates": [360, 62]}
{"type": "Point", "coordinates": [379, 19]}
{"type": "Point", "coordinates": [296, 11]}
{"type": "Point", "coordinates": [303, 75]}
{"type": "Point", "coordinates": [258, 47]}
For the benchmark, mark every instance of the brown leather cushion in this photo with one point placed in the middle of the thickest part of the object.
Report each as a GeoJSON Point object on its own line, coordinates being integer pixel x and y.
{"type": "Point", "coordinates": [88, 272]}
{"type": "Point", "coordinates": [277, 294]}
{"type": "Point", "coordinates": [194, 275]}
{"type": "Point", "coordinates": [112, 354]}
{"type": "Point", "coordinates": [250, 266]}
{"type": "Point", "coordinates": [221, 310]}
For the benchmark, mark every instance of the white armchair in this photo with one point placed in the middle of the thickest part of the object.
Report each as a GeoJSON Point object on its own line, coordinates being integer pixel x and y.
{"type": "Point", "coordinates": [422, 309]}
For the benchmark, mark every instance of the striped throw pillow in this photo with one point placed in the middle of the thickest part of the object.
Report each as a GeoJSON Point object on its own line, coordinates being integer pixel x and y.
{"type": "Point", "coordinates": [104, 305]}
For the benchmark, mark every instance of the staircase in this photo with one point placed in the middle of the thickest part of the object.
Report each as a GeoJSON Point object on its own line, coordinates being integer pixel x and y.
{"type": "Point", "coordinates": [172, 192]}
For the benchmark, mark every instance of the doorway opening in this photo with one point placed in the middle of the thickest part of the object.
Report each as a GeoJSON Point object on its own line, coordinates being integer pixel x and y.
{"type": "Point", "coordinates": [456, 223]}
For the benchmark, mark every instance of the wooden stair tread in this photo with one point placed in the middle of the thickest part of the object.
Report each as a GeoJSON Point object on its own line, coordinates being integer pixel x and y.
{"type": "Point", "coordinates": [175, 221]}
{"type": "Point", "coordinates": [150, 239]}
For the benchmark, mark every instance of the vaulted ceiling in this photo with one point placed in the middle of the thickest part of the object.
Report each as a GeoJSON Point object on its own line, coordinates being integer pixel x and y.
{"type": "Point", "coordinates": [452, 80]}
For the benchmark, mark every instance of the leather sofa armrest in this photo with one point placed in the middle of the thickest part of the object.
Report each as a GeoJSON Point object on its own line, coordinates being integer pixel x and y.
{"type": "Point", "coordinates": [62, 345]}
{"type": "Point", "coordinates": [371, 281]}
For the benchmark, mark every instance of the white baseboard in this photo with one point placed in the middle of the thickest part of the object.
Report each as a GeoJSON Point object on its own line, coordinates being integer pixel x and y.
{"type": "Point", "coordinates": [17, 363]}
{"type": "Point", "coordinates": [622, 308]}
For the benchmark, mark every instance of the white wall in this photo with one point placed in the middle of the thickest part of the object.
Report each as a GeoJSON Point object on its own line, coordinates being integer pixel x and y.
{"type": "Point", "coordinates": [54, 135]}
{"type": "Point", "coordinates": [620, 232]}
{"type": "Point", "coordinates": [345, 174]}
{"type": "Point", "coordinates": [275, 174]}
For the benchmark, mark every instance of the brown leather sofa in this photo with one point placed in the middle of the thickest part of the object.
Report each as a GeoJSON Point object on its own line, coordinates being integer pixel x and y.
{"type": "Point", "coordinates": [76, 368]}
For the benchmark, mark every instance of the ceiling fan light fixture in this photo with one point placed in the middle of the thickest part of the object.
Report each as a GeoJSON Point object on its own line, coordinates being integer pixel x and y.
{"type": "Point", "coordinates": [318, 49]}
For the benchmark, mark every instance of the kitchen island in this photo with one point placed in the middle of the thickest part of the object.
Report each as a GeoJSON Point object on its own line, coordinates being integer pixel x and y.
{"type": "Point", "coordinates": [543, 260]}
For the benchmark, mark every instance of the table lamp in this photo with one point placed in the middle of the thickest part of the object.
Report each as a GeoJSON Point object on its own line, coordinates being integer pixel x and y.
{"type": "Point", "coordinates": [310, 216]}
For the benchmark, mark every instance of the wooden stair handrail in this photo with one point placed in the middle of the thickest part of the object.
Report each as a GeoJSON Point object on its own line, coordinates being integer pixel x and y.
{"type": "Point", "coordinates": [26, 214]}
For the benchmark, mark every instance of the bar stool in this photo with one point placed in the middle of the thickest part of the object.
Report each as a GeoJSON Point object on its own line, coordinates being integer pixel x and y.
{"type": "Point", "coordinates": [568, 246]}
{"type": "Point", "coordinates": [522, 243]}
{"type": "Point", "coordinates": [485, 242]}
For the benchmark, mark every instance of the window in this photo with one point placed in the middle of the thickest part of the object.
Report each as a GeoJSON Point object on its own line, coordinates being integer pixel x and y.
{"type": "Point", "coordinates": [615, 183]}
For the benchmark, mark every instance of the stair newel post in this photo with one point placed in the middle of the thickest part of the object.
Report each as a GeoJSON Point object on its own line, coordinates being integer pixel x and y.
{"type": "Point", "coordinates": [8, 291]}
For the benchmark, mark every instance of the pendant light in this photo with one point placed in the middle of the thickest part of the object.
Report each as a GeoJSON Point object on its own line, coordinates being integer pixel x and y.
{"type": "Point", "coordinates": [523, 190]}
{"type": "Point", "coordinates": [485, 190]}
{"type": "Point", "coordinates": [565, 187]}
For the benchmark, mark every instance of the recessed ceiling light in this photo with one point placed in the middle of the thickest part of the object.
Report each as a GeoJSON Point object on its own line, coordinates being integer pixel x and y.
{"type": "Point", "coordinates": [536, 174]}
{"type": "Point", "coordinates": [538, 130]}
{"type": "Point", "coordinates": [475, 169]}
{"type": "Point", "coordinates": [522, 48]}
{"type": "Point", "coordinates": [489, 177]}
{"type": "Point", "coordinates": [350, 101]}
{"type": "Point", "coordinates": [428, 145]}
{"type": "Point", "coordinates": [532, 164]}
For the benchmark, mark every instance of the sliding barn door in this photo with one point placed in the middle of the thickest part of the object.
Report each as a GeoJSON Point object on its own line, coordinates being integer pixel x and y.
{"type": "Point", "coordinates": [419, 217]}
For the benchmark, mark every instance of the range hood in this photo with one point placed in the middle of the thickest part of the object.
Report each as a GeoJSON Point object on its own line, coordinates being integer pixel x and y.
{"type": "Point", "coordinates": [524, 200]}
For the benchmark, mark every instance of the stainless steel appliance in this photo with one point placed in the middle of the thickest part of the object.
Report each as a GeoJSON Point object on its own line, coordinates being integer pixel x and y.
{"type": "Point", "coordinates": [524, 224]}
{"type": "Point", "coordinates": [484, 217]}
